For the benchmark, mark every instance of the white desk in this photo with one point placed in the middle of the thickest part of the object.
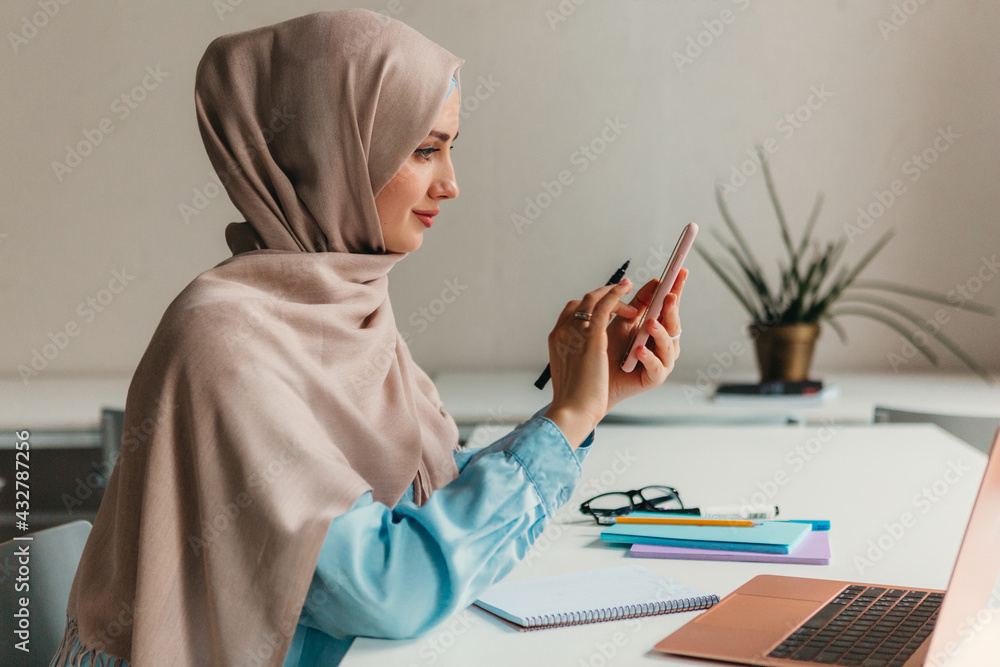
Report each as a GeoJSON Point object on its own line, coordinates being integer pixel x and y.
{"type": "Point", "coordinates": [511, 397]}
{"type": "Point", "coordinates": [843, 481]}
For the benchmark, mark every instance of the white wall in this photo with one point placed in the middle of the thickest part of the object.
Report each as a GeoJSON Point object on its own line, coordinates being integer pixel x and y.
{"type": "Point", "coordinates": [557, 83]}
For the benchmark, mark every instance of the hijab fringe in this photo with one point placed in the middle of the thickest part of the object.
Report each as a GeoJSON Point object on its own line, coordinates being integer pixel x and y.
{"type": "Point", "coordinates": [71, 651]}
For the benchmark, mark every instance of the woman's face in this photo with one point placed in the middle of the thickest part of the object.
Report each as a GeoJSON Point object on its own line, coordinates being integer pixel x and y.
{"type": "Point", "coordinates": [408, 203]}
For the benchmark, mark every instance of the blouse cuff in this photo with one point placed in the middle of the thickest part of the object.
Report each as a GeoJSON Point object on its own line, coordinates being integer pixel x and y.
{"type": "Point", "coordinates": [548, 460]}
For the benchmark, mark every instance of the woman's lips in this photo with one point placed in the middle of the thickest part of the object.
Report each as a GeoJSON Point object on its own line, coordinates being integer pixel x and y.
{"type": "Point", "coordinates": [426, 217]}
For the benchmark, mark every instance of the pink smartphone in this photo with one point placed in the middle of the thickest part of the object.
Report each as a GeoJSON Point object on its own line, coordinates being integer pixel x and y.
{"type": "Point", "coordinates": [670, 272]}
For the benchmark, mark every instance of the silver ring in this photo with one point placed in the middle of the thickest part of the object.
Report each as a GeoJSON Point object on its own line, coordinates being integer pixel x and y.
{"type": "Point", "coordinates": [676, 337]}
{"type": "Point", "coordinates": [580, 315]}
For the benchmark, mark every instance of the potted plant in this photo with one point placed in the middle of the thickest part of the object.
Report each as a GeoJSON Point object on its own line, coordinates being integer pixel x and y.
{"type": "Point", "coordinates": [814, 286]}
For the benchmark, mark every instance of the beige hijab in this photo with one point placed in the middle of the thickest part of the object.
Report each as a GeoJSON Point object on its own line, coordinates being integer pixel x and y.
{"type": "Point", "coordinates": [276, 389]}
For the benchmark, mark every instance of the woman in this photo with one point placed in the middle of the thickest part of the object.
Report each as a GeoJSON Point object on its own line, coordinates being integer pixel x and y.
{"type": "Point", "coordinates": [289, 478]}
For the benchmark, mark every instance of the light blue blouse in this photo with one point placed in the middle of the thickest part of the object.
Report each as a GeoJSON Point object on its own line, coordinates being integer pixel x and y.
{"type": "Point", "coordinates": [395, 573]}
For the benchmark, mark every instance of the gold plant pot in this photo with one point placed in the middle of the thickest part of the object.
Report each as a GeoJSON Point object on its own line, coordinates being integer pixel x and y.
{"type": "Point", "coordinates": [784, 351]}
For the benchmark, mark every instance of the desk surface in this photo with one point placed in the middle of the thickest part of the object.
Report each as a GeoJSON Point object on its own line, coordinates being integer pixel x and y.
{"type": "Point", "coordinates": [485, 397]}
{"type": "Point", "coordinates": [810, 472]}
{"type": "Point", "coordinates": [510, 397]}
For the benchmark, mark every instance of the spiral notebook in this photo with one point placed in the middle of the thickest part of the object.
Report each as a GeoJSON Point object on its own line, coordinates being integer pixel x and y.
{"type": "Point", "coordinates": [590, 597]}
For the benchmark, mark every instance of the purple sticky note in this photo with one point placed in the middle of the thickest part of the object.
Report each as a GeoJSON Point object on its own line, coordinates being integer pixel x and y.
{"type": "Point", "coordinates": [814, 550]}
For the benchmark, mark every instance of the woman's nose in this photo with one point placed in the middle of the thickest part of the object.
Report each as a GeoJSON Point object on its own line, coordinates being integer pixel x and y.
{"type": "Point", "coordinates": [445, 185]}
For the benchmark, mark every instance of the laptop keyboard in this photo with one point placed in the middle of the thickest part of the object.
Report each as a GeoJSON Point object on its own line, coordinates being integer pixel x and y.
{"type": "Point", "coordinates": [865, 627]}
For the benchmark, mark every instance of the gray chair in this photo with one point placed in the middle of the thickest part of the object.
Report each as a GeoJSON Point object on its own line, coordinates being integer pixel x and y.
{"type": "Point", "coordinates": [977, 431]}
{"type": "Point", "coordinates": [54, 554]}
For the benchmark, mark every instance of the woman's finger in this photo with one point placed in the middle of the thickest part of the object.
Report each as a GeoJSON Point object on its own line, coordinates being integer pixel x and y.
{"type": "Point", "coordinates": [678, 286]}
{"type": "Point", "coordinates": [644, 295]}
{"type": "Point", "coordinates": [625, 310]}
{"type": "Point", "coordinates": [587, 304]}
{"type": "Point", "coordinates": [670, 315]}
{"type": "Point", "coordinates": [670, 318]}
{"type": "Point", "coordinates": [664, 352]}
{"type": "Point", "coordinates": [607, 293]}
{"type": "Point", "coordinates": [653, 367]}
{"type": "Point", "coordinates": [567, 312]}
{"type": "Point", "coordinates": [609, 301]}
{"type": "Point", "coordinates": [591, 298]}
{"type": "Point", "coordinates": [672, 327]}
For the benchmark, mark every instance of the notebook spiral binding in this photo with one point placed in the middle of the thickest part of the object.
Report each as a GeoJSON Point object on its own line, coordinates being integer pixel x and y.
{"type": "Point", "coordinates": [619, 613]}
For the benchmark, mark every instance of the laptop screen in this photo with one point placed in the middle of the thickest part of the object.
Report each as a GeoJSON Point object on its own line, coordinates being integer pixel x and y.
{"type": "Point", "coordinates": [967, 633]}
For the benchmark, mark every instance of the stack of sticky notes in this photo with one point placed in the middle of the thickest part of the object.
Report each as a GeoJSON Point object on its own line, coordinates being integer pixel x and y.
{"type": "Point", "coordinates": [804, 542]}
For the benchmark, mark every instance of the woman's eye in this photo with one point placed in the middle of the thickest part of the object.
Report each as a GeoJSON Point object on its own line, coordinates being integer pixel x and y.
{"type": "Point", "coordinates": [425, 153]}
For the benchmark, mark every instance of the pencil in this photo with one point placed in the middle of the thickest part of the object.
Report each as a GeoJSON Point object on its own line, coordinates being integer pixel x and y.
{"type": "Point", "coordinates": [543, 379]}
{"type": "Point", "coordinates": [677, 521]}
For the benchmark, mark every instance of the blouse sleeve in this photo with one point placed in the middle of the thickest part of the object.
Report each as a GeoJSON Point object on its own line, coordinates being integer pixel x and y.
{"type": "Point", "coordinates": [464, 455]}
{"type": "Point", "coordinates": [397, 572]}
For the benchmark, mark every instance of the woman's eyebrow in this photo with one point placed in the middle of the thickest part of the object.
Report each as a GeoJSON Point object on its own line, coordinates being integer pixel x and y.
{"type": "Point", "coordinates": [441, 135]}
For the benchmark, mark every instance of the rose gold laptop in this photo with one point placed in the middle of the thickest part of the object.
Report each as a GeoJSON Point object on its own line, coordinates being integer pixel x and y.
{"type": "Point", "coordinates": [774, 620]}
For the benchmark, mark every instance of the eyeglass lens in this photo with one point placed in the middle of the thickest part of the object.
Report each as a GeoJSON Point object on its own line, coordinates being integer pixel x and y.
{"type": "Point", "coordinates": [660, 497]}
{"type": "Point", "coordinates": [610, 501]}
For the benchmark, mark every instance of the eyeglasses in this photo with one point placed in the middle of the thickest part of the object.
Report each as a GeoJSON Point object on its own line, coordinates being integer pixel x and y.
{"type": "Point", "coordinates": [605, 507]}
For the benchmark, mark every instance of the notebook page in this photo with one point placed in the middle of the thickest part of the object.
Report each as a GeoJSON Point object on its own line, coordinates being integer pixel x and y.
{"type": "Point", "coordinates": [630, 585]}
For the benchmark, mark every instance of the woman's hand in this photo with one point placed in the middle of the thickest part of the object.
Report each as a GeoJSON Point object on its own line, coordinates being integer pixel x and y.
{"type": "Point", "coordinates": [578, 357]}
{"type": "Point", "coordinates": [655, 363]}
{"type": "Point", "coordinates": [585, 356]}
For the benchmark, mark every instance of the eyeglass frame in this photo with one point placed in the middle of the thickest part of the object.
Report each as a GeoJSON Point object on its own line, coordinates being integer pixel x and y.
{"type": "Point", "coordinates": [605, 517]}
